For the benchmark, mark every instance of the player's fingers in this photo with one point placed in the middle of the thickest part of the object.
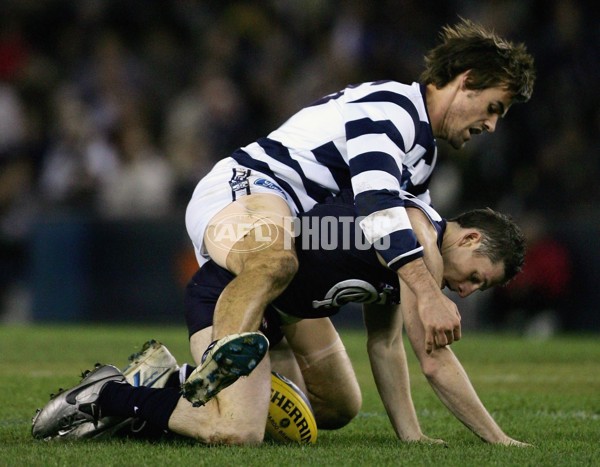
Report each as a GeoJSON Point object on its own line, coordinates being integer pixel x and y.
{"type": "Point", "coordinates": [441, 339]}
{"type": "Point", "coordinates": [429, 341]}
{"type": "Point", "coordinates": [457, 333]}
{"type": "Point", "coordinates": [449, 336]}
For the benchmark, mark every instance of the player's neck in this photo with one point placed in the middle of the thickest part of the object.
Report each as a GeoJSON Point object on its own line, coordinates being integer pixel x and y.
{"type": "Point", "coordinates": [439, 101]}
{"type": "Point", "coordinates": [452, 235]}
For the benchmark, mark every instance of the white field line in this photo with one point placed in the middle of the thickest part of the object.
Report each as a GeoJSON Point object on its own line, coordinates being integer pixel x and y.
{"type": "Point", "coordinates": [559, 415]}
{"type": "Point", "coordinates": [518, 378]}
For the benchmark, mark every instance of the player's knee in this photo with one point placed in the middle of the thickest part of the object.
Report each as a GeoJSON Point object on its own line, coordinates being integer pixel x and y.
{"type": "Point", "coordinates": [287, 266]}
{"type": "Point", "coordinates": [340, 417]}
{"type": "Point", "coordinates": [278, 267]}
{"type": "Point", "coordinates": [332, 416]}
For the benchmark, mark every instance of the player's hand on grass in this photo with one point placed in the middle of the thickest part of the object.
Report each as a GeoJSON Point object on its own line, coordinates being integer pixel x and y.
{"type": "Point", "coordinates": [515, 443]}
{"type": "Point", "coordinates": [427, 440]}
{"type": "Point", "coordinates": [422, 439]}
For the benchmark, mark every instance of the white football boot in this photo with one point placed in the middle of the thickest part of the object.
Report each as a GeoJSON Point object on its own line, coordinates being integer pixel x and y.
{"type": "Point", "coordinates": [151, 366]}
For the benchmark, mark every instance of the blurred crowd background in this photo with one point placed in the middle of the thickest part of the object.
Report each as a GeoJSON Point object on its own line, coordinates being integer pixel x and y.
{"type": "Point", "coordinates": [112, 110]}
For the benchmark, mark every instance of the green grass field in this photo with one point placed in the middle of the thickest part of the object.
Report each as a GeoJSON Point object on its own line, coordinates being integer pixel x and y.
{"type": "Point", "coordinates": [543, 392]}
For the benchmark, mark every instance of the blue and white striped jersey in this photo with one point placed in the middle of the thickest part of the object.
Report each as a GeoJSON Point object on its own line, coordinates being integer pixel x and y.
{"type": "Point", "coordinates": [374, 138]}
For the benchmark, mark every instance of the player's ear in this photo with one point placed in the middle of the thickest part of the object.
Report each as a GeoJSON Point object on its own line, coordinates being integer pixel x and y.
{"type": "Point", "coordinates": [465, 79]}
{"type": "Point", "coordinates": [470, 238]}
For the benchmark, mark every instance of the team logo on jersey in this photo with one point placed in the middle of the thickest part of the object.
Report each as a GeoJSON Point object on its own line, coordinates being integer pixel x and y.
{"type": "Point", "coordinates": [239, 182]}
{"type": "Point", "coordinates": [270, 185]}
{"type": "Point", "coordinates": [352, 290]}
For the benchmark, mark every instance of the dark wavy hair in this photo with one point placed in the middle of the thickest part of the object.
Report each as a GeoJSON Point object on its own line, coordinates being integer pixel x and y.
{"type": "Point", "coordinates": [493, 61]}
{"type": "Point", "coordinates": [502, 239]}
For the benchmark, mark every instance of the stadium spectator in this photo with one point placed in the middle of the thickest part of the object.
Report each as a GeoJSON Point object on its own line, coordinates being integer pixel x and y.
{"type": "Point", "coordinates": [536, 301]}
{"type": "Point", "coordinates": [18, 211]}
{"type": "Point", "coordinates": [143, 184]}
{"type": "Point", "coordinates": [203, 121]}
{"type": "Point", "coordinates": [18, 206]}
{"type": "Point", "coordinates": [76, 158]}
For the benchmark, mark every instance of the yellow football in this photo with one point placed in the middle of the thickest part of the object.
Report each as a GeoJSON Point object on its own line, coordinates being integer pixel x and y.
{"type": "Point", "coordinates": [291, 418]}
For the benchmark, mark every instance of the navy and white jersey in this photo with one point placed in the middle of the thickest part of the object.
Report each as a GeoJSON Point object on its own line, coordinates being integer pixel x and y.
{"type": "Point", "coordinates": [374, 138]}
{"type": "Point", "coordinates": [327, 278]}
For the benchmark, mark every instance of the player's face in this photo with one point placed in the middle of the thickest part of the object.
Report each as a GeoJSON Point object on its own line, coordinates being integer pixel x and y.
{"type": "Point", "coordinates": [465, 271]}
{"type": "Point", "coordinates": [474, 112]}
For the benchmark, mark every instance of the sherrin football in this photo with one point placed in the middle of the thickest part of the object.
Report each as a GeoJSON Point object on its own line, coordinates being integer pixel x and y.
{"type": "Point", "coordinates": [291, 418]}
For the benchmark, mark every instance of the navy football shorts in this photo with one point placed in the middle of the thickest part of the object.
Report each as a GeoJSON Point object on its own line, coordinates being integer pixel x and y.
{"type": "Point", "coordinates": [202, 293]}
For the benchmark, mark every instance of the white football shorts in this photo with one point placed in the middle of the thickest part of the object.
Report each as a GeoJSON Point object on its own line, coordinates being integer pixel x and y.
{"type": "Point", "coordinates": [226, 182]}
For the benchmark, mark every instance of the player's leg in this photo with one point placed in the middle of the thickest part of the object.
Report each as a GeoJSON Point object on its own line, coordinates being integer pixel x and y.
{"type": "Point", "coordinates": [259, 254]}
{"type": "Point", "coordinates": [103, 400]}
{"type": "Point", "coordinates": [327, 372]}
{"type": "Point", "coordinates": [283, 361]}
{"type": "Point", "coordinates": [237, 218]}
{"type": "Point", "coordinates": [248, 238]}
{"type": "Point", "coordinates": [236, 415]}
{"type": "Point", "coordinates": [152, 367]}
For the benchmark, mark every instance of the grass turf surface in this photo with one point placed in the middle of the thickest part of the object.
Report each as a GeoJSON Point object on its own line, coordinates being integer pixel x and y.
{"type": "Point", "coordinates": [543, 392]}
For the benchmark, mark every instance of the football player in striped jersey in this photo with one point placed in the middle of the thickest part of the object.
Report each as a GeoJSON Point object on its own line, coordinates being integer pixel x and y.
{"type": "Point", "coordinates": [377, 139]}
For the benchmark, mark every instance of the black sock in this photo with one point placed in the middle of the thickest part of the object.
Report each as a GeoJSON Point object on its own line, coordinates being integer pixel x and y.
{"type": "Point", "coordinates": [174, 380]}
{"type": "Point", "coordinates": [155, 405]}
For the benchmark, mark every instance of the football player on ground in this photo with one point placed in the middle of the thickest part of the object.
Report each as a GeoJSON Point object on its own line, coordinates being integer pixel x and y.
{"type": "Point", "coordinates": [377, 138]}
{"type": "Point", "coordinates": [474, 251]}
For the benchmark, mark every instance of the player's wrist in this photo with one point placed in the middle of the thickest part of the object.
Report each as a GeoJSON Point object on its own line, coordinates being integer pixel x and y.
{"type": "Point", "coordinates": [418, 278]}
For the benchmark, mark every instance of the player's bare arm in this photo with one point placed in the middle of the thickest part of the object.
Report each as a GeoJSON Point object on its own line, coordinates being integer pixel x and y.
{"type": "Point", "coordinates": [428, 238]}
{"type": "Point", "coordinates": [390, 370]}
{"type": "Point", "coordinates": [449, 380]}
{"type": "Point", "coordinates": [439, 314]}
